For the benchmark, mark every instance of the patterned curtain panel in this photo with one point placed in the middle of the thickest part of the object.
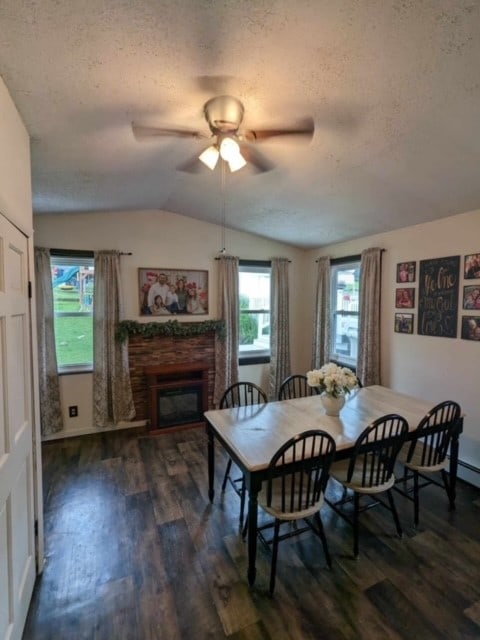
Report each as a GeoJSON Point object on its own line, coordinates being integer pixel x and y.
{"type": "Point", "coordinates": [112, 393]}
{"type": "Point", "coordinates": [51, 420]}
{"type": "Point", "coordinates": [321, 327]}
{"type": "Point", "coordinates": [368, 366]}
{"type": "Point", "coordinates": [280, 329]}
{"type": "Point", "coordinates": [226, 350]}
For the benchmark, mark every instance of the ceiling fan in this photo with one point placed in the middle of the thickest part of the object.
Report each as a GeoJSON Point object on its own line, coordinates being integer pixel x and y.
{"type": "Point", "coordinates": [235, 146]}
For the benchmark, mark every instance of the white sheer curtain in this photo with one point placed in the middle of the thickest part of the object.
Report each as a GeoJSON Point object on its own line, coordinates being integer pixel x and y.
{"type": "Point", "coordinates": [368, 366]}
{"type": "Point", "coordinates": [226, 349]}
{"type": "Point", "coordinates": [321, 326]}
{"type": "Point", "coordinates": [51, 419]}
{"type": "Point", "coordinates": [112, 393]}
{"type": "Point", "coordinates": [280, 366]}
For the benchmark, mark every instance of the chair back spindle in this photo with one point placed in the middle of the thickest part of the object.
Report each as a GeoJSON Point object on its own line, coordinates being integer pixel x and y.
{"type": "Point", "coordinates": [296, 386]}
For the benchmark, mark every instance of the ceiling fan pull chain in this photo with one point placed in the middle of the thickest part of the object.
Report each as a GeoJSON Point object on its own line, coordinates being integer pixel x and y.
{"type": "Point", "coordinates": [224, 206]}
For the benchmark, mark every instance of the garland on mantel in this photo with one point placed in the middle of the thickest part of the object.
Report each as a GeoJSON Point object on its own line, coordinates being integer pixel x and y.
{"type": "Point", "coordinates": [170, 328]}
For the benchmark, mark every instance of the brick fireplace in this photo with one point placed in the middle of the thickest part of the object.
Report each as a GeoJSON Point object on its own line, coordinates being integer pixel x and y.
{"type": "Point", "coordinates": [149, 353]}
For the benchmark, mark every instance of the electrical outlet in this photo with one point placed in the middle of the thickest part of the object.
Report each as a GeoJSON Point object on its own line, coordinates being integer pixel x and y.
{"type": "Point", "coordinates": [73, 411]}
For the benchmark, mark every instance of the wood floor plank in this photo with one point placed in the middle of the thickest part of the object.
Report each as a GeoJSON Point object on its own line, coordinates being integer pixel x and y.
{"type": "Point", "coordinates": [401, 614]}
{"type": "Point", "coordinates": [196, 617]}
{"type": "Point", "coordinates": [229, 591]}
{"type": "Point", "coordinates": [116, 611]}
{"type": "Point", "coordinates": [165, 504]}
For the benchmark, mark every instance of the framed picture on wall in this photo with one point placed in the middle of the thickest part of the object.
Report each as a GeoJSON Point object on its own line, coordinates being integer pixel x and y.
{"type": "Point", "coordinates": [471, 266]}
{"type": "Point", "coordinates": [171, 292]}
{"type": "Point", "coordinates": [471, 297]}
{"type": "Point", "coordinates": [471, 328]}
{"type": "Point", "coordinates": [438, 292]}
{"type": "Point", "coordinates": [404, 322]}
{"type": "Point", "coordinates": [406, 271]}
{"type": "Point", "coordinates": [405, 298]}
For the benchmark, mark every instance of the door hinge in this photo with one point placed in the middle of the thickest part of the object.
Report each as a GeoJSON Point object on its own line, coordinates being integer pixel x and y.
{"type": "Point", "coordinates": [29, 289]}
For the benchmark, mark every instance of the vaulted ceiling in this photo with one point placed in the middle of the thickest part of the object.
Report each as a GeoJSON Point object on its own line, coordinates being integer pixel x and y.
{"type": "Point", "coordinates": [393, 87]}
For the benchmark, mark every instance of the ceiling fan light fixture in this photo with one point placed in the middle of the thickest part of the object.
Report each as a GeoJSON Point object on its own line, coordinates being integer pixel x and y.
{"type": "Point", "coordinates": [236, 162]}
{"type": "Point", "coordinates": [210, 156]}
{"type": "Point", "coordinates": [229, 149]}
{"type": "Point", "coordinates": [230, 152]}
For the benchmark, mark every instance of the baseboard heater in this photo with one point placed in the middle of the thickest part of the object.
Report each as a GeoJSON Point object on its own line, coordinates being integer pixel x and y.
{"type": "Point", "coordinates": [471, 474]}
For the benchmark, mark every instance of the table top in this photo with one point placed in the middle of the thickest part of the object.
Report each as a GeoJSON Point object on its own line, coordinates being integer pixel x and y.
{"type": "Point", "coordinates": [254, 433]}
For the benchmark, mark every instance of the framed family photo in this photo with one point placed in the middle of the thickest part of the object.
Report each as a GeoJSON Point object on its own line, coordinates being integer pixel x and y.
{"type": "Point", "coordinates": [406, 271]}
{"type": "Point", "coordinates": [405, 298]}
{"type": "Point", "coordinates": [471, 266]}
{"type": "Point", "coordinates": [471, 297]}
{"type": "Point", "coordinates": [167, 292]}
{"type": "Point", "coordinates": [471, 328]}
{"type": "Point", "coordinates": [404, 322]}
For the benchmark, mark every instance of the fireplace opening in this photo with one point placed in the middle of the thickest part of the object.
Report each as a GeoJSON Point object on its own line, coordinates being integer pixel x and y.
{"type": "Point", "coordinates": [180, 405]}
{"type": "Point", "coordinates": [178, 395]}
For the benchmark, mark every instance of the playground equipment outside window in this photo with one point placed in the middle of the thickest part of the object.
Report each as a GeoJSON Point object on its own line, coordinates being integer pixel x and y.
{"type": "Point", "coordinates": [72, 283]}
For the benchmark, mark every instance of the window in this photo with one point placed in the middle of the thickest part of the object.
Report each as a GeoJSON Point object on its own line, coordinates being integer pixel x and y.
{"type": "Point", "coordinates": [344, 287]}
{"type": "Point", "coordinates": [72, 282]}
{"type": "Point", "coordinates": [254, 303]}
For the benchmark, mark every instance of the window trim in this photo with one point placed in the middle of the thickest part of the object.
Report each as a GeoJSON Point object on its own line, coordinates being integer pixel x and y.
{"type": "Point", "coordinates": [259, 356]}
{"type": "Point", "coordinates": [338, 262]}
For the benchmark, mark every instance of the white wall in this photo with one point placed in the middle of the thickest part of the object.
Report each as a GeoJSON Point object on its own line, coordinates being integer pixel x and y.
{"type": "Point", "coordinates": [161, 239]}
{"type": "Point", "coordinates": [15, 189]}
{"type": "Point", "coordinates": [434, 368]}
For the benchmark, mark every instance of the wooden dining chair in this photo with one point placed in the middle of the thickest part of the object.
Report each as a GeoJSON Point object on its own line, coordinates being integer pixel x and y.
{"type": "Point", "coordinates": [370, 471]}
{"type": "Point", "coordinates": [240, 394]}
{"type": "Point", "coordinates": [426, 455]}
{"type": "Point", "coordinates": [295, 386]}
{"type": "Point", "coordinates": [294, 490]}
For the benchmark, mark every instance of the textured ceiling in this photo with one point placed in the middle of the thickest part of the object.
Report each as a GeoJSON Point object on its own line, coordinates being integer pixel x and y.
{"type": "Point", "coordinates": [392, 85]}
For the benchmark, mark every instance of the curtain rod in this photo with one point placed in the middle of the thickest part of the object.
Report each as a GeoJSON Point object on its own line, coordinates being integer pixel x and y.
{"type": "Point", "coordinates": [250, 261]}
{"type": "Point", "coordinates": [80, 253]}
{"type": "Point", "coordinates": [349, 258]}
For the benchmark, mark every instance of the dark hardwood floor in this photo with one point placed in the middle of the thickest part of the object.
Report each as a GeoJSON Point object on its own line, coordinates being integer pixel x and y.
{"type": "Point", "coordinates": [134, 550]}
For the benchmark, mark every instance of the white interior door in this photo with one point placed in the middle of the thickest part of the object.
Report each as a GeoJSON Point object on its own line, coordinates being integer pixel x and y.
{"type": "Point", "coordinates": [17, 536]}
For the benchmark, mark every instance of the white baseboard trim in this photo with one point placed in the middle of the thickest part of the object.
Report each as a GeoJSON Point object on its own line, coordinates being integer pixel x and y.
{"type": "Point", "coordinates": [469, 473]}
{"type": "Point", "coordinates": [85, 431]}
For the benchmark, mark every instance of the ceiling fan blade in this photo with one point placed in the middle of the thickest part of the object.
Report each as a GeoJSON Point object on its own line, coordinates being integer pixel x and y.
{"type": "Point", "coordinates": [304, 127]}
{"type": "Point", "coordinates": [141, 133]}
{"type": "Point", "coordinates": [259, 162]}
{"type": "Point", "coordinates": [193, 165]}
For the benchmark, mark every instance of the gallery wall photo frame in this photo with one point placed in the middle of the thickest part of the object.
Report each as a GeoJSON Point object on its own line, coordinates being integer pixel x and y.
{"type": "Point", "coordinates": [405, 298]}
{"type": "Point", "coordinates": [406, 272]}
{"type": "Point", "coordinates": [471, 328]}
{"type": "Point", "coordinates": [403, 323]}
{"type": "Point", "coordinates": [172, 292]}
{"type": "Point", "coordinates": [471, 266]}
{"type": "Point", "coordinates": [471, 297]}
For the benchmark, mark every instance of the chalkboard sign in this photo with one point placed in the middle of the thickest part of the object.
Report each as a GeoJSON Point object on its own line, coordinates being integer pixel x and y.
{"type": "Point", "coordinates": [438, 297]}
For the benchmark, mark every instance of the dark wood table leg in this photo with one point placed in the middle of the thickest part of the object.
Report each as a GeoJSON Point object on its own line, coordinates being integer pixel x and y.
{"type": "Point", "coordinates": [211, 462]}
{"type": "Point", "coordinates": [253, 489]}
{"type": "Point", "coordinates": [454, 462]}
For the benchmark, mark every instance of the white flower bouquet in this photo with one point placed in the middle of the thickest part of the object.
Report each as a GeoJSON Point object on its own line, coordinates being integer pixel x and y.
{"type": "Point", "coordinates": [334, 380]}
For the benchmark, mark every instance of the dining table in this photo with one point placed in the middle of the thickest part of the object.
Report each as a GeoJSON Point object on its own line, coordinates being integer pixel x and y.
{"type": "Point", "coordinates": [252, 434]}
